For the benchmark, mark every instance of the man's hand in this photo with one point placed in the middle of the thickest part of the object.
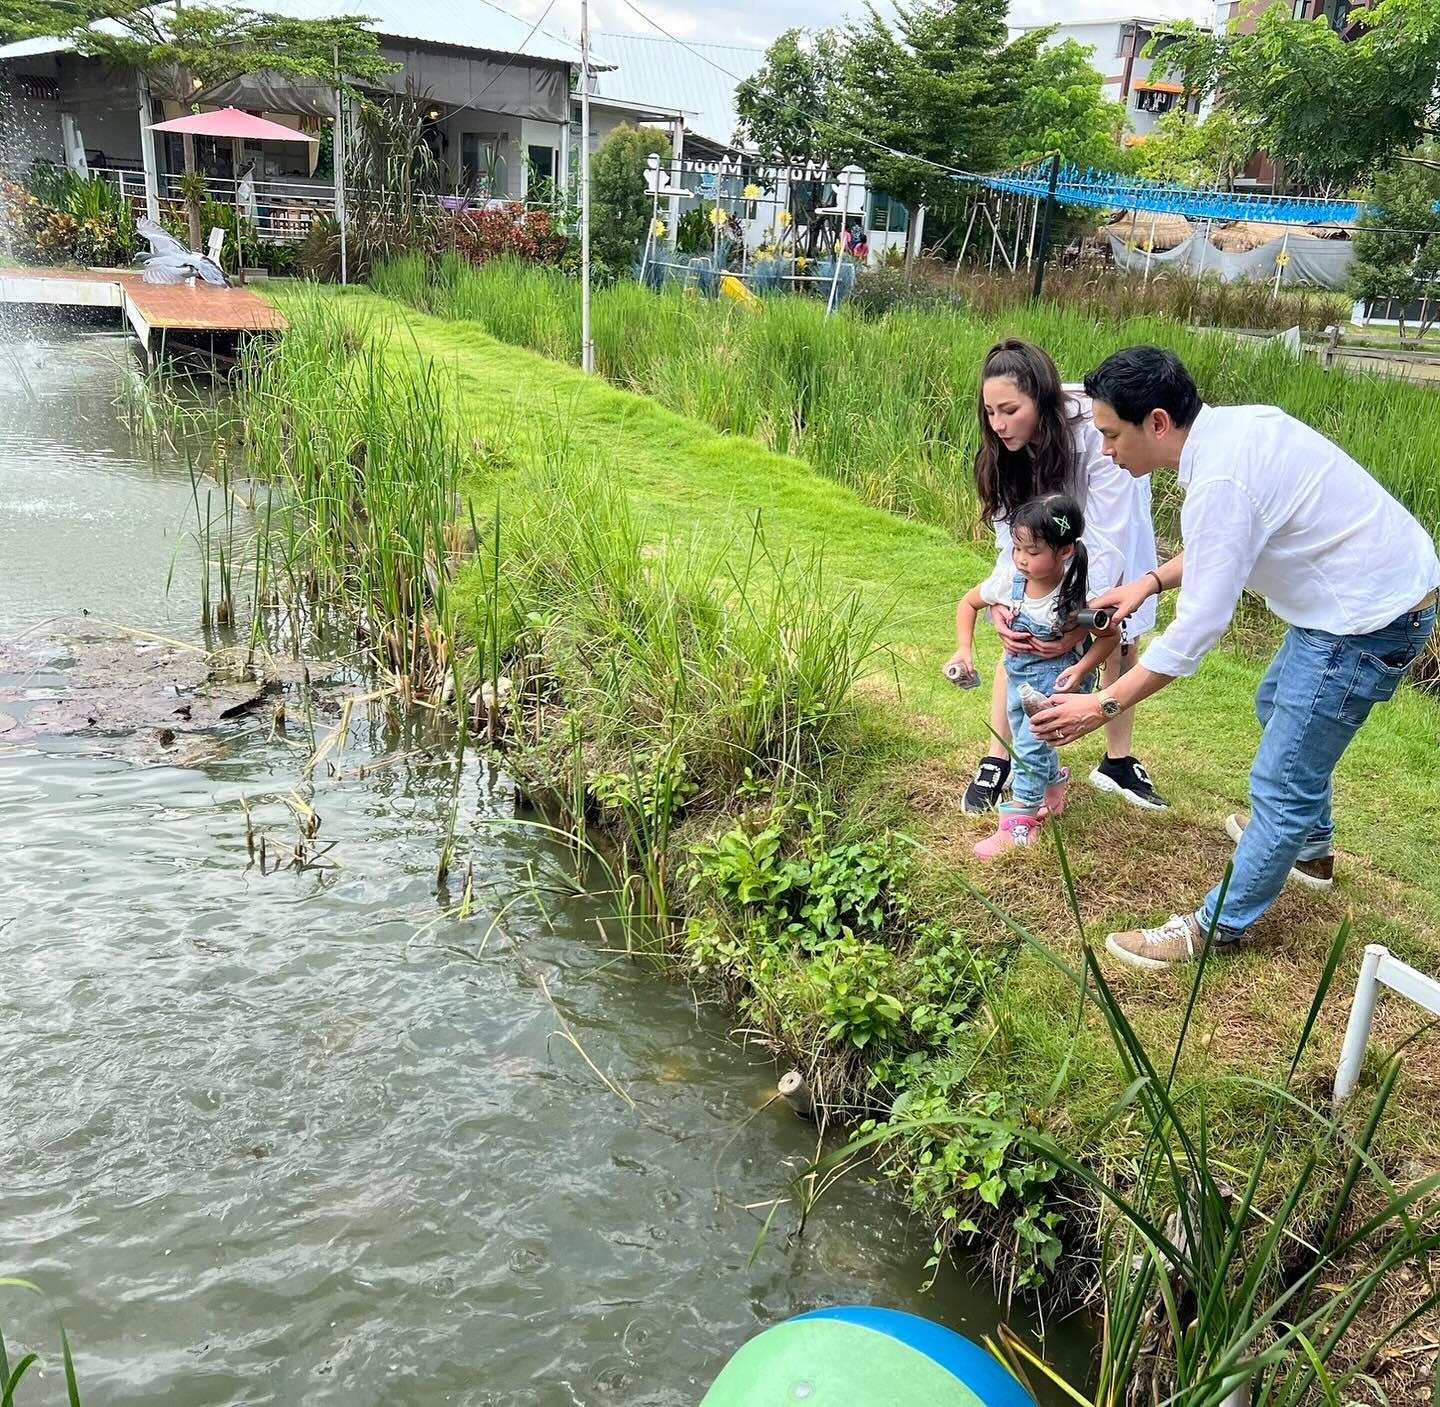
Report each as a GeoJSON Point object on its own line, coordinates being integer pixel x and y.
{"type": "Point", "coordinates": [1126, 599]}
{"type": "Point", "coordinates": [1063, 720]}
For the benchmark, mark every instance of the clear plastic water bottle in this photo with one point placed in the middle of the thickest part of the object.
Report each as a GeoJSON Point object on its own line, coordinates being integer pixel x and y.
{"type": "Point", "coordinates": [1031, 700]}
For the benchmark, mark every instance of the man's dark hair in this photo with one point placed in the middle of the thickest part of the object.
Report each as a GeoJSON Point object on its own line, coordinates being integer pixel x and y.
{"type": "Point", "coordinates": [1141, 379]}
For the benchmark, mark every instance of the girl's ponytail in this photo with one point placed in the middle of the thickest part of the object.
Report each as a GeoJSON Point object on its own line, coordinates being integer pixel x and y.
{"type": "Point", "coordinates": [1075, 583]}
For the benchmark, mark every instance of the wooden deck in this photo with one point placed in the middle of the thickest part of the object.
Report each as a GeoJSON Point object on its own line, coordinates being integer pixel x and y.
{"type": "Point", "coordinates": [153, 309]}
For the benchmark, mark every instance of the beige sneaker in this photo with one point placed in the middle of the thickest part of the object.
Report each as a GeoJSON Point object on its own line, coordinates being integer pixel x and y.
{"type": "Point", "coordinates": [1309, 874]}
{"type": "Point", "coordinates": [1177, 940]}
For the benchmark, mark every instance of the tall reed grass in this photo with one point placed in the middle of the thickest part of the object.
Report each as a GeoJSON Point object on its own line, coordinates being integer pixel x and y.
{"type": "Point", "coordinates": [889, 406]}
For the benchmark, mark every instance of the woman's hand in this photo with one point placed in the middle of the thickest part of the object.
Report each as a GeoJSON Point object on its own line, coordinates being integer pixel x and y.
{"type": "Point", "coordinates": [1016, 642]}
{"type": "Point", "coordinates": [1050, 649]}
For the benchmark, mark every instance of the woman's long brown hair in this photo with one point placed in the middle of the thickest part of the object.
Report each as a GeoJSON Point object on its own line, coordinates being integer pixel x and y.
{"type": "Point", "coordinates": [1006, 478]}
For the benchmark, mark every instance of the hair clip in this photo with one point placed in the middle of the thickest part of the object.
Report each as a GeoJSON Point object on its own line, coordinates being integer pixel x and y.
{"type": "Point", "coordinates": [1062, 522]}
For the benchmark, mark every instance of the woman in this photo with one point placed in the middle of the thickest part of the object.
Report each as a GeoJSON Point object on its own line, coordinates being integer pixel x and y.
{"type": "Point", "coordinates": [1036, 438]}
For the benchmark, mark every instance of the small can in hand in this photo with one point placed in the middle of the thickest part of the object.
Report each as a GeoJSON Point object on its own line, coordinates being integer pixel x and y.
{"type": "Point", "coordinates": [961, 677]}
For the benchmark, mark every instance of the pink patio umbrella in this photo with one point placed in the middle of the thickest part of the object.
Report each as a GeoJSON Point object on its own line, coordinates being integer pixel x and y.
{"type": "Point", "coordinates": [238, 126]}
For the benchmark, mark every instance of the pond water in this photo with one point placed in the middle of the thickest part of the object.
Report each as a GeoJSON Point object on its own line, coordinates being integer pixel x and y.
{"type": "Point", "coordinates": [315, 1135]}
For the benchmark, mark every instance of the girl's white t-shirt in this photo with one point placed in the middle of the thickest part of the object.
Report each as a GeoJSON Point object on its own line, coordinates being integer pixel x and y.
{"type": "Point", "coordinates": [1119, 528]}
{"type": "Point", "coordinates": [1043, 610]}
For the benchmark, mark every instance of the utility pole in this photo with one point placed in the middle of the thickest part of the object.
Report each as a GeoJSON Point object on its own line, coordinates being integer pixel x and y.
{"type": "Point", "coordinates": [1043, 252]}
{"type": "Point", "coordinates": [587, 347]}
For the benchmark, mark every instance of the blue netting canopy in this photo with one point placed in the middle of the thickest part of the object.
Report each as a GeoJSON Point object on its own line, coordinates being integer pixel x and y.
{"type": "Point", "coordinates": [1108, 190]}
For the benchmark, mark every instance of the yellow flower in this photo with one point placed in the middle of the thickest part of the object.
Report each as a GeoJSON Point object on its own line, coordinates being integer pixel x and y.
{"type": "Point", "coordinates": [802, 263]}
{"type": "Point", "coordinates": [837, 246]}
{"type": "Point", "coordinates": [717, 215]}
{"type": "Point", "coordinates": [784, 217]}
{"type": "Point", "coordinates": [752, 191]}
{"type": "Point", "coordinates": [659, 229]}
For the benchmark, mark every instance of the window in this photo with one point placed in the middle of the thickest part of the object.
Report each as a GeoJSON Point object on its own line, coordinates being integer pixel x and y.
{"type": "Point", "coordinates": [887, 214]}
{"type": "Point", "coordinates": [542, 162]}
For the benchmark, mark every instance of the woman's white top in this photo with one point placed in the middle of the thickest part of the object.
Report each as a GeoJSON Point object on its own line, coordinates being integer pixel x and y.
{"type": "Point", "coordinates": [1119, 530]}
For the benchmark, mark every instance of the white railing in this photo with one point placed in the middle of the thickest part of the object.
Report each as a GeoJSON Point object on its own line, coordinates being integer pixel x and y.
{"type": "Point", "coordinates": [1378, 968]}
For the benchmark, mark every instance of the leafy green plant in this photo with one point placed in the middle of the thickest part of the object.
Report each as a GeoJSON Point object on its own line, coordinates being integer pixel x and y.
{"type": "Point", "coordinates": [620, 205]}
{"type": "Point", "coordinates": [848, 981]}
{"type": "Point", "coordinates": [979, 1177]}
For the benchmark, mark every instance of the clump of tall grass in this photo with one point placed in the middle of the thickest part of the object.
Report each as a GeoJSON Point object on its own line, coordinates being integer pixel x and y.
{"type": "Point", "coordinates": [889, 406]}
{"type": "Point", "coordinates": [364, 466]}
{"type": "Point", "coordinates": [669, 674]}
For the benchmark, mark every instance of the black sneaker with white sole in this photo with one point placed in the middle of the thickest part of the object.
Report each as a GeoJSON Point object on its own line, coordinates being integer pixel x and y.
{"type": "Point", "coordinates": [1127, 777]}
{"type": "Point", "coordinates": [992, 780]}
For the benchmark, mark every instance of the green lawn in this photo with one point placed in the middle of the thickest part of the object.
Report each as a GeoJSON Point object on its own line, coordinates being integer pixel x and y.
{"type": "Point", "coordinates": [683, 478]}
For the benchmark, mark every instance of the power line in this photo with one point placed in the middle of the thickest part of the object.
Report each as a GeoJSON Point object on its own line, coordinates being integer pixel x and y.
{"type": "Point", "coordinates": [705, 58]}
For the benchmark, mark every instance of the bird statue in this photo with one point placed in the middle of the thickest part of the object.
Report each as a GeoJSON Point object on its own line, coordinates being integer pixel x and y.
{"type": "Point", "coordinates": [170, 262]}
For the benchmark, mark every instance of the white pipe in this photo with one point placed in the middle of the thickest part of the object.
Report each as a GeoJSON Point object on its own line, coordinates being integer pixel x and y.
{"type": "Point", "coordinates": [587, 347]}
{"type": "Point", "coordinates": [147, 150]}
{"type": "Point", "coordinates": [1362, 1017]}
{"type": "Point", "coordinates": [1281, 260]}
{"type": "Point", "coordinates": [338, 155]}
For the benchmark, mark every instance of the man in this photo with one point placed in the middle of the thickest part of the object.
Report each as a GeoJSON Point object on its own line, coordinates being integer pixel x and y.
{"type": "Point", "coordinates": [1273, 505]}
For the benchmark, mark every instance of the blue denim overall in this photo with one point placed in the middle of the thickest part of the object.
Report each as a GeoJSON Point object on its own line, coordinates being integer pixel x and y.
{"type": "Point", "coordinates": [1038, 764]}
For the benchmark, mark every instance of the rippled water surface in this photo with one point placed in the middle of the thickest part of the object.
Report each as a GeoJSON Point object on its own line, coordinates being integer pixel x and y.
{"type": "Point", "coordinates": [315, 1137]}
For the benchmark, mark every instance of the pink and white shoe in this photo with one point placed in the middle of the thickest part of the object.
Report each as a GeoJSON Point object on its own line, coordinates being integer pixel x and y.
{"type": "Point", "coordinates": [1017, 829]}
{"type": "Point", "coordinates": [1055, 793]}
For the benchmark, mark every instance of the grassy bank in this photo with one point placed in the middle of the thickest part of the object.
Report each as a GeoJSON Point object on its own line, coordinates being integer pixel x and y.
{"type": "Point", "coordinates": [888, 407]}
{"type": "Point", "coordinates": [789, 811]}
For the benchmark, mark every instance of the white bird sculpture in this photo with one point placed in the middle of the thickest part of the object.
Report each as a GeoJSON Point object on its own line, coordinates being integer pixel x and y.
{"type": "Point", "coordinates": [170, 262]}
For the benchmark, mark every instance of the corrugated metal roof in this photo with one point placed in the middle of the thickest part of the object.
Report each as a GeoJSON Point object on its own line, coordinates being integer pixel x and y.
{"type": "Point", "coordinates": [699, 79]}
{"type": "Point", "coordinates": [463, 24]}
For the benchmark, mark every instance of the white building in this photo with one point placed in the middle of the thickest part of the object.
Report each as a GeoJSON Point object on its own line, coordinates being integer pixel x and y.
{"type": "Point", "coordinates": [1117, 46]}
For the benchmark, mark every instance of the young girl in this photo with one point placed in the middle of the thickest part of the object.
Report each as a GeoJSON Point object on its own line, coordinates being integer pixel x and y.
{"type": "Point", "coordinates": [1043, 588]}
{"type": "Point", "coordinates": [1036, 438]}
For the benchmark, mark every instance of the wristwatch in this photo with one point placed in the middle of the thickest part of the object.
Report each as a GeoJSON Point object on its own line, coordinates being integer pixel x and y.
{"type": "Point", "coordinates": [1108, 706]}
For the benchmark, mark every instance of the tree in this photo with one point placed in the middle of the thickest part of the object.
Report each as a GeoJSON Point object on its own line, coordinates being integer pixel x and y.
{"type": "Point", "coordinates": [1329, 108]}
{"type": "Point", "coordinates": [1191, 151]}
{"type": "Point", "coordinates": [792, 108]}
{"type": "Point", "coordinates": [943, 84]}
{"type": "Point", "coordinates": [189, 52]}
{"type": "Point", "coordinates": [1062, 108]}
{"type": "Point", "coordinates": [620, 204]}
{"type": "Point", "coordinates": [1397, 247]}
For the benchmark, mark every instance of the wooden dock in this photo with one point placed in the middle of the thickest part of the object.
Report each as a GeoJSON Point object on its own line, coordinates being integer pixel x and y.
{"type": "Point", "coordinates": [153, 309]}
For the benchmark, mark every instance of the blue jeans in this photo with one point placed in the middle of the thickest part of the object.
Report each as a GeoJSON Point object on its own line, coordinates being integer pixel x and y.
{"type": "Point", "coordinates": [1037, 763]}
{"type": "Point", "coordinates": [1317, 692]}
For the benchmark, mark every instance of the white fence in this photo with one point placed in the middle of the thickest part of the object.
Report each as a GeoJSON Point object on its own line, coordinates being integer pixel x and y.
{"type": "Point", "coordinates": [1378, 968]}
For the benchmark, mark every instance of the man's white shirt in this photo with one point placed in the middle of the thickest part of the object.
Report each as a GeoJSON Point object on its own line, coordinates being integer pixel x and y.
{"type": "Point", "coordinates": [1273, 505]}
